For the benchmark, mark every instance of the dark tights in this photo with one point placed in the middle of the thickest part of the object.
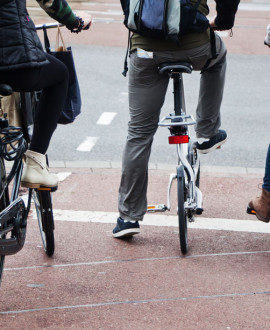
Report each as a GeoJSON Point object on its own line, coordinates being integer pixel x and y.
{"type": "Point", "coordinates": [52, 79]}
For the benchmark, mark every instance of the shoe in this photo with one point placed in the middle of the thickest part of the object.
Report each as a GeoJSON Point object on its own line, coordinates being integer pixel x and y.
{"type": "Point", "coordinates": [213, 143]}
{"type": "Point", "coordinates": [35, 172]}
{"type": "Point", "coordinates": [126, 229]}
{"type": "Point", "coordinates": [261, 205]}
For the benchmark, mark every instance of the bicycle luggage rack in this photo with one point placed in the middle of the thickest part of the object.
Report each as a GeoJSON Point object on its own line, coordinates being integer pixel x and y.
{"type": "Point", "coordinates": [177, 120]}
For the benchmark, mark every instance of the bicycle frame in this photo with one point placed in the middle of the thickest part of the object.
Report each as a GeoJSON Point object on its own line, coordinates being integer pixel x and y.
{"type": "Point", "coordinates": [179, 124]}
{"type": "Point", "coordinates": [13, 216]}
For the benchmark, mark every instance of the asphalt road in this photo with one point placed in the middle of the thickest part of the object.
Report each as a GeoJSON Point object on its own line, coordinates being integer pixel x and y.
{"type": "Point", "coordinates": [99, 56]}
{"type": "Point", "coordinates": [245, 111]}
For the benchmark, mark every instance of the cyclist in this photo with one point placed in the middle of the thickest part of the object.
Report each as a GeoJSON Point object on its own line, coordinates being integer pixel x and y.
{"type": "Point", "coordinates": [262, 204]}
{"type": "Point", "coordinates": [147, 91]}
{"type": "Point", "coordinates": [26, 68]}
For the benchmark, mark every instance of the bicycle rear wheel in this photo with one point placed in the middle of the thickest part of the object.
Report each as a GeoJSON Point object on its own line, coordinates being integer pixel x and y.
{"type": "Point", "coordinates": [182, 214]}
{"type": "Point", "coordinates": [43, 203]}
{"type": "Point", "coordinates": [3, 205]}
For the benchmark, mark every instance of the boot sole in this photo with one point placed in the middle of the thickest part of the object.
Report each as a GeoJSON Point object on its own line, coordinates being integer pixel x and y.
{"type": "Point", "coordinates": [258, 216]}
{"type": "Point", "coordinates": [216, 146]}
{"type": "Point", "coordinates": [35, 185]}
{"type": "Point", "coordinates": [127, 233]}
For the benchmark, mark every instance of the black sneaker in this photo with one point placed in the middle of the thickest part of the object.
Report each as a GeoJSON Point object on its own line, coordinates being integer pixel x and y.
{"type": "Point", "coordinates": [126, 229]}
{"type": "Point", "coordinates": [214, 142]}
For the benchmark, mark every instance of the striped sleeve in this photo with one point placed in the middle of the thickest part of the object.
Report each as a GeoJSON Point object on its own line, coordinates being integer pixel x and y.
{"type": "Point", "coordinates": [60, 11]}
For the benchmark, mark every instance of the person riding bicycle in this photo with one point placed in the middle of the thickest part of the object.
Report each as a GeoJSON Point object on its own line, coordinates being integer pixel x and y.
{"type": "Point", "coordinates": [262, 204]}
{"type": "Point", "coordinates": [27, 68]}
{"type": "Point", "coordinates": [147, 89]}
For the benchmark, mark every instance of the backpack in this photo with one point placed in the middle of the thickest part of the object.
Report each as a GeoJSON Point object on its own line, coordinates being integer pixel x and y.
{"type": "Point", "coordinates": [163, 19]}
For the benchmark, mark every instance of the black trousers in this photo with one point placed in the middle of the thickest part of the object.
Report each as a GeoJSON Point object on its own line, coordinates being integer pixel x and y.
{"type": "Point", "coordinates": [52, 79]}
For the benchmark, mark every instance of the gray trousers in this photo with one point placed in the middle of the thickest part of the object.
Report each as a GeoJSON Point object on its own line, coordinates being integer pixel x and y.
{"type": "Point", "coordinates": [147, 90]}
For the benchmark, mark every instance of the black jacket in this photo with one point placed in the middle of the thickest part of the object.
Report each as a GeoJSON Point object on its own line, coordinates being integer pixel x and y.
{"type": "Point", "coordinates": [20, 46]}
{"type": "Point", "coordinates": [226, 10]}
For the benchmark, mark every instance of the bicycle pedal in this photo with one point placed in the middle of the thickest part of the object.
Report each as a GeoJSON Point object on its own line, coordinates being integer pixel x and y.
{"type": "Point", "coordinates": [250, 210]}
{"type": "Point", "coordinates": [157, 208]}
{"type": "Point", "coordinates": [199, 211]}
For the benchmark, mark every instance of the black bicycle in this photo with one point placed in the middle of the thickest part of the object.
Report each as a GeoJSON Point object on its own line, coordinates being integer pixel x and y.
{"type": "Point", "coordinates": [13, 211]}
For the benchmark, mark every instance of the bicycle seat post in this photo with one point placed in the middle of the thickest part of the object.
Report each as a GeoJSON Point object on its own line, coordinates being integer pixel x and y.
{"type": "Point", "coordinates": [177, 89]}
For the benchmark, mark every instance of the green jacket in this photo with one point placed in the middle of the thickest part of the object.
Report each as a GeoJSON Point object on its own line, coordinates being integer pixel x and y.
{"type": "Point", "coordinates": [60, 11]}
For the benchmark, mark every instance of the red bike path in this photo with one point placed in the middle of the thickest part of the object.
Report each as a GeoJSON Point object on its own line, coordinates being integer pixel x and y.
{"type": "Point", "coordinates": [95, 281]}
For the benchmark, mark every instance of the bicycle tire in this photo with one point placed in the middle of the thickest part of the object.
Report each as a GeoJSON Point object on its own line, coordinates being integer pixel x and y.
{"type": "Point", "coordinates": [182, 214]}
{"type": "Point", "coordinates": [43, 204]}
{"type": "Point", "coordinates": [3, 205]}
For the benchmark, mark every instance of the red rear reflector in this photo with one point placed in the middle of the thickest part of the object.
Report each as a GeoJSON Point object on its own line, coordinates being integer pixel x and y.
{"type": "Point", "coordinates": [178, 139]}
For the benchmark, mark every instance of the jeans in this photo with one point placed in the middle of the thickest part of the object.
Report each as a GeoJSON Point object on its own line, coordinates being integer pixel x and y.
{"type": "Point", "coordinates": [266, 179]}
{"type": "Point", "coordinates": [147, 90]}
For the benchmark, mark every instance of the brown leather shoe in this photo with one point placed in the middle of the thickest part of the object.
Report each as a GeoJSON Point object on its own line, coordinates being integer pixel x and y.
{"type": "Point", "coordinates": [261, 205]}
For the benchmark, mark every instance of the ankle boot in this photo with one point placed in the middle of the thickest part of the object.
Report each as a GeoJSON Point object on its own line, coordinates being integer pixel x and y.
{"type": "Point", "coordinates": [36, 173]}
{"type": "Point", "coordinates": [262, 206]}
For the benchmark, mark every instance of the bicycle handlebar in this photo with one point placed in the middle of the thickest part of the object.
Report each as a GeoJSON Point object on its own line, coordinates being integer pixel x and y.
{"type": "Point", "coordinates": [48, 26]}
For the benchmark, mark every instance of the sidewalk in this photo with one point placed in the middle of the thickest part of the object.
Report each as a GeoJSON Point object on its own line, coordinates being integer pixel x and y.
{"type": "Point", "coordinates": [97, 282]}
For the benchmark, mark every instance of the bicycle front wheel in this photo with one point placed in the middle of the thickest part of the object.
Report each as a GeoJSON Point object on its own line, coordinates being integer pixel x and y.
{"type": "Point", "coordinates": [182, 214]}
{"type": "Point", "coordinates": [3, 205]}
{"type": "Point", "coordinates": [43, 203]}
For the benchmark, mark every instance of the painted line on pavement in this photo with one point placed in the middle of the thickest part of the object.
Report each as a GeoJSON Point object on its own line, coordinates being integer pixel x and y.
{"type": "Point", "coordinates": [106, 118]}
{"type": "Point", "coordinates": [117, 261]}
{"type": "Point", "coordinates": [253, 226]}
{"type": "Point", "coordinates": [88, 144]}
{"type": "Point", "coordinates": [137, 302]}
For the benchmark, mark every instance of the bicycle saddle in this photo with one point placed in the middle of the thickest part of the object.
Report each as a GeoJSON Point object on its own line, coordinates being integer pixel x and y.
{"type": "Point", "coordinates": [181, 67]}
{"type": "Point", "coordinates": [5, 90]}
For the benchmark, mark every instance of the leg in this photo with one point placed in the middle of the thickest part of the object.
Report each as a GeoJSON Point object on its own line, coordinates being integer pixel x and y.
{"type": "Point", "coordinates": [52, 79]}
{"type": "Point", "coordinates": [147, 91]}
{"type": "Point", "coordinates": [262, 204]}
{"type": "Point", "coordinates": [54, 84]}
{"type": "Point", "coordinates": [211, 93]}
{"type": "Point", "coordinates": [266, 179]}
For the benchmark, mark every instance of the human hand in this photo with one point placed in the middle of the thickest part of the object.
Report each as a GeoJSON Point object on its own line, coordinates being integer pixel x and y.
{"type": "Point", "coordinates": [267, 37]}
{"type": "Point", "coordinates": [86, 17]}
{"type": "Point", "coordinates": [214, 26]}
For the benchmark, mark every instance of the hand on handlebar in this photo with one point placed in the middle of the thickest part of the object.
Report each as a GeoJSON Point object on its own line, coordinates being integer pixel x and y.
{"type": "Point", "coordinates": [86, 17]}
{"type": "Point", "coordinates": [214, 27]}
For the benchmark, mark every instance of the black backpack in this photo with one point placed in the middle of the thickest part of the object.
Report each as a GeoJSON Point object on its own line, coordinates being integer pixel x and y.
{"type": "Point", "coordinates": [163, 19]}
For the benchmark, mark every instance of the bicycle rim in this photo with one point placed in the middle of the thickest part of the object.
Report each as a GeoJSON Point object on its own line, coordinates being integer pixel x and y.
{"type": "Point", "coordinates": [3, 204]}
{"type": "Point", "coordinates": [43, 204]}
{"type": "Point", "coordinates": [182, 214]}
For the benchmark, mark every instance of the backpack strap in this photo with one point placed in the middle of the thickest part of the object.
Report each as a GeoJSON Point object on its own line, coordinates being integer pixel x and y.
{"type": "Point", "coordinates": [124, 73]}
{"type": "Point", "coordinates": [213, 49]}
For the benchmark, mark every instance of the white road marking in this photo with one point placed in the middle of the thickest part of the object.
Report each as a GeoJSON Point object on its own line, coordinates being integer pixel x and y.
{"type": "Point", "coordinates": [63, 175]}
{"type": "Point", "coordinates": [254, 226]}
{"type": "Point", "coordinates": [123, 97]}
{"type": "Point", "coordinates": [88, 144]}
{"type": "Point", "coordinates": [106, 118]}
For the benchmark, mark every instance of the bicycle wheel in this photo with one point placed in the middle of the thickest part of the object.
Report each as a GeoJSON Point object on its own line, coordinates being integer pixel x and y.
{"type": "Point", "coordinates": [43, 203]}
{"type": "Point", "coordinates": [182, 214]}
{"type": "Point", "coordinates": [3, 204]}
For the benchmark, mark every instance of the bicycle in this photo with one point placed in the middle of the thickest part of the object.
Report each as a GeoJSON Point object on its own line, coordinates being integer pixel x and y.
{"type": "Point", "coordinates": [189, 196]}
{"type": "Point", "coordinates": [13, 211]}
